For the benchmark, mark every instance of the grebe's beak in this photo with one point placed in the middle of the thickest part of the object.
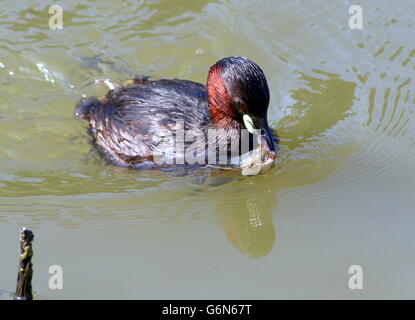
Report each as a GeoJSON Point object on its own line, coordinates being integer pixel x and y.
{"type": "Point", "coordinates": [262, 124]}
{"type": "Point", "coordinates": [269, 136]}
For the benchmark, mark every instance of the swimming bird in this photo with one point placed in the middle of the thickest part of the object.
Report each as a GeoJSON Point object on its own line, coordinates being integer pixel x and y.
{"type": "Point", "coordinates": [138, 125]}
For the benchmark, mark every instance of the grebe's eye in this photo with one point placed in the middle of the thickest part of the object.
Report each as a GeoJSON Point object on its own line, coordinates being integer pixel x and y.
{"type": "Point", "coordinates": [240, 106]}
{"type": "Point", "coordinates": [237, 103]}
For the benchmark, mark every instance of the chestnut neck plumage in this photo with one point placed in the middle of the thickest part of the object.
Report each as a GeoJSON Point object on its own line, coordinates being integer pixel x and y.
{"type": "Point", "coordinates": [220, 102]}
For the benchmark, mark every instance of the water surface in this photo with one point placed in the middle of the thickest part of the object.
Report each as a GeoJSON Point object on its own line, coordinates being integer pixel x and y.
{"type": "Point", "coordinates": [341, 193]}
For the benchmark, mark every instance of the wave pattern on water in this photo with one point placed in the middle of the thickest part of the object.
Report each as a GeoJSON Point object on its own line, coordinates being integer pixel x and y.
{"type": "Point", "coordinates": [342, 104]}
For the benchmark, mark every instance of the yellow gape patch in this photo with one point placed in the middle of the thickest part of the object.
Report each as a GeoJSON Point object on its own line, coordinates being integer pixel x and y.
{"type": "Point", "coordinates": [249, 124]}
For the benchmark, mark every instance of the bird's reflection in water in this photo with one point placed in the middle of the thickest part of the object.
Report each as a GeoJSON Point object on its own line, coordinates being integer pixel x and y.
{"type": "Point", "coordinates": [244, 211]}
{"type": "Point", "coordinates": [251, 229]}
{"type": "Point", "coordinates": [245, 205]}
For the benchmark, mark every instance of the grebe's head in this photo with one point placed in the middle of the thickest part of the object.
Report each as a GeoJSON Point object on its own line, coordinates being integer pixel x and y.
{"type": "Point", "coordinates": [237, 89]}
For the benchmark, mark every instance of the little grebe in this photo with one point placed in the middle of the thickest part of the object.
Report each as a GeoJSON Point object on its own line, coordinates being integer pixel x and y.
{"type": "Point", "coordinates": [133, 122]}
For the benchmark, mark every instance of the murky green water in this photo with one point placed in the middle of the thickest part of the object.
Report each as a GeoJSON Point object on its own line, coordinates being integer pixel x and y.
{"type": "Point", "coordinates": [342, 192]}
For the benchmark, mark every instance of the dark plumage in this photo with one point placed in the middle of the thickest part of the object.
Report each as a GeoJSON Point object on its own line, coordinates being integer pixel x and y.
{"type": "Point", "coordinates": [130, 123]}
